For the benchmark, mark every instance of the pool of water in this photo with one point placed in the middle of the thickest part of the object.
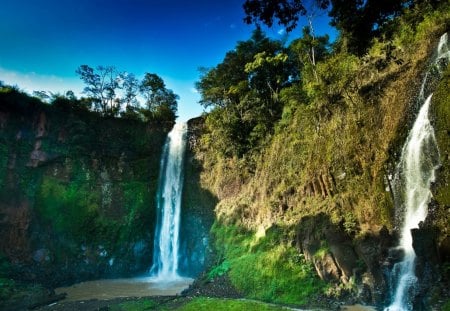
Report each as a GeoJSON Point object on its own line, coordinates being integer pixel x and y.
{"type": "Point", "coordinates": [116, 288]}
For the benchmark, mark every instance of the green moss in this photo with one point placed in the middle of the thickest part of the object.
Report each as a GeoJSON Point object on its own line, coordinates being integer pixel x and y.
{"type": "Point", "coordinates": [140, 305]}
{"type": "Point", "coordinates": [219, 270]}
{"type": "Point", "coordinates": [67, 207]}
{"type": "Point", "coordinates": [5, 266]}
{"type": "Point", "coordinates": [446, 306]}
{"type": "Point", "coordinates": [266, 268]}
{"type": "Point", "coordinates": [7, 288]}
{"type": "Point", "coordinates": [441, 110]}
{"type": "Point", "coordinates": [207, 304]}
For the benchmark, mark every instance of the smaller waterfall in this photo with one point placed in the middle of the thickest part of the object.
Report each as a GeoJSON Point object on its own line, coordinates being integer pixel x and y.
{"type": "Point", "coordinates": [166, 245]}
{"type": "Point", "coordinates": [415, 173]}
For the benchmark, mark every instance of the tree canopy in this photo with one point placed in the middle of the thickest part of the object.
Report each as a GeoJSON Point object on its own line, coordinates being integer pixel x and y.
{"type": "Point", "coordinates": [243, 92]}
{"type": "Point", "coordinates": [358, 21]}
{"type": "Point", "coordinates": [111, 93]}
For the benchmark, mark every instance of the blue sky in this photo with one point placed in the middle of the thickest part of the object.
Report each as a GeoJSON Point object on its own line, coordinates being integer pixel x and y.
{"type": "Point", "coordinates": [43, 42]}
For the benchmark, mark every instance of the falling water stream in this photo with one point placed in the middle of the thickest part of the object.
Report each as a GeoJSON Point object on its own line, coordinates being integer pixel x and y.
{"type": "Point", "coordinates": [165, 254]}
{"type": "Point", "coordinates": [415, 173]}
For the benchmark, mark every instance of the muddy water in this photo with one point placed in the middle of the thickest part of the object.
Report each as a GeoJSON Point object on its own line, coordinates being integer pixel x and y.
{"type": "Point", "coordinates": [115, 288]}
{"type": "Point", "coordinates": [357, 308]}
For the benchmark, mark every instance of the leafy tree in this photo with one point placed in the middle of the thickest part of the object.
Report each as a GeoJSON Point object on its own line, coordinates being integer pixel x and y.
{"type": "Point", "coordinates": [130, 87]}
{"type": "Point", "coordinates": [285, 11]}
{"type": "Point", "coordinates": [102, 84]}
{"type": "Point", "coordinates": [42, 95]}
{"type": "Point", "coordinates": [358, 20]}
{"type": "Point", "coordinates": [242, 92]}
{"type": "Point", "coordinates": [309, 50]}
{"type": "Point", "coordinates": [161, 102]}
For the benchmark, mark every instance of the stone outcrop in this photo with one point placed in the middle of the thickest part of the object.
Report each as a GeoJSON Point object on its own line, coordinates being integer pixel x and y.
{"type": "Point", "coordinates": [340, 258]}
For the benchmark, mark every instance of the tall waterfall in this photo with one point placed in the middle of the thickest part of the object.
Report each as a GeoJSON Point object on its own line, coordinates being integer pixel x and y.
{"type": "Point", "coordinates": [166, 245]}
{"type": "Point", "coordinates": [415, 173]}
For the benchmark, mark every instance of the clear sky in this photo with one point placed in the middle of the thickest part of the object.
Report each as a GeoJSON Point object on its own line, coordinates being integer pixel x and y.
{"type": "Point", "coordinates": [43, 42]}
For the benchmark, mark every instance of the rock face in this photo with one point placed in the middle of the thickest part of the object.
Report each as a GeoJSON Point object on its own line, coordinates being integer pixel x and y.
{"type": "Point", "coordinates": [197, 215]}
{"type": "Point", "coordinates": [340, 258]}
{"type": "Point", "coordinates": [76, 191]}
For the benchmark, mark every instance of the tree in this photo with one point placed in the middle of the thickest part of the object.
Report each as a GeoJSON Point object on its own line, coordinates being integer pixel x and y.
{"type": "Point", "coordinates": [308, 50]}
{"type": "Point", "coordinates": [130, 87]}
{"type": "Point", "coordinates": [242, 92]}
{"type": "Point", "coordinates": [285, 11]}
{"type": "Point", "coordinates": [358, 20]}
{"type": "Point", "coordinates": [160, 101]}
{"type": "Point", "coordinates": [101, 86]}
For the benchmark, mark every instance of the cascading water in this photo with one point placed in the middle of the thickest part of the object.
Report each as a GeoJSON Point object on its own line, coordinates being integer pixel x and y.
{"type": "Point", "coordinates": [415, 173]}
{"type": "Point", "coordinates": [166, 245]}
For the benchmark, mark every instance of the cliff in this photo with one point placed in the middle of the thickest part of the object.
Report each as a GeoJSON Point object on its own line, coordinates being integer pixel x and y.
{"type": "Point", "coordinates": [76, 191]}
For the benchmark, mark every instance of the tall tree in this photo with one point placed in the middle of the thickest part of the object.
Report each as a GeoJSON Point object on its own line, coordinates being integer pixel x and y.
{"type": "Point", "coordinates": [160, 101]}
{"type": "Point", "coordinates": [242, 92]}
{"type": "Point", "coordinates": [309, 50]}
{"type": "Point", "coordinates": [130, 87]}
{"type": "Point", "coordinates": [102, 84]}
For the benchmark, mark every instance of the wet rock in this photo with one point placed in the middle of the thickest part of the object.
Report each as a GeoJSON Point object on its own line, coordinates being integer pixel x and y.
{"type": "Point", "coordinates": [41, 255]}
{"type": "Point", "coordinates": [373, 249]}
{"type": "Point", "coordinates": [427, 262]}
{"type": "Point", "coordinates": [217, 287]}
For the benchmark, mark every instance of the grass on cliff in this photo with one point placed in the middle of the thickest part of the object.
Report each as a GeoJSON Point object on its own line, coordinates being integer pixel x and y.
{"type": "Point", "coordinates": [139, 305]}
{"type": "Point", "coordinates": [338, 138]}
{"type": "Point", "coordinates": [441, 110]}
{"type": "Point", "coordinates": [195, 304]}
{"type": "Point", "coordinates": [207, 304]}
{"type": "Point", "coordinates": [265, 268]}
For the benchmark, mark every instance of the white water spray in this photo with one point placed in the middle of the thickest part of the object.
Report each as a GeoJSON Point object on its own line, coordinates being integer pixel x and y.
{"type": "Point", "coordinates": [166, 246]}
{"type": "Point", "coordinates": [415, 173]}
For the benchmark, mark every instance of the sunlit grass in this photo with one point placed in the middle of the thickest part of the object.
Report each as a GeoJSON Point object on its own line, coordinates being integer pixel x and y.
{"type": "Point", "coordinates": [216, 304]}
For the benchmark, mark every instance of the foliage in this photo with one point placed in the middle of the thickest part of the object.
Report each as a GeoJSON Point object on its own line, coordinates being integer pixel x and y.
{"type": "Point", "coordinates": [219, 270]}
{"type": "Point", "coordinates": [101, 86]}
{"type": "Point", "coordinates": [334, 138]}
{"type": "Point", "coordinates": [108, 90]}
{"type": "Point", "coordinates": [70, 209]}
{"type": "Point", "coordinates": [446, 306]}
{"type": "Point", "coordinates": [286, 12]}
{"type": "Point", "coordinates": [7, 288]}
{"type": "Point", "coordinates": [159, 100]}
{"type": "Point", "coordinates": [441, 111]}
{"type": "Point", "coordinates": [206, 304]}
{"type": "Point", "coordinates": [358, 21]}
{"type": "Point", "coordinates": [139, 305]}
{"type": "Point", "coordinates": [5, 266]}
{"type": "Point", "coordinates": [243, 92]}
{"type": "Point", "coordinates": [266, 268]}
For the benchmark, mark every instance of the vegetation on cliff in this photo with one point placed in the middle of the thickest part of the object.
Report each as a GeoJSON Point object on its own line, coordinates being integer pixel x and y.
{"type": "Point", "coordinates": [324, 141]}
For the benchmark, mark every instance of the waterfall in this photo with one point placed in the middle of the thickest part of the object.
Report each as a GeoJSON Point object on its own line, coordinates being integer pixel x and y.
{"type": "Point", "coordinates": [414, 175]}
{"type": "Point", "coordinates": [168, 200]}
